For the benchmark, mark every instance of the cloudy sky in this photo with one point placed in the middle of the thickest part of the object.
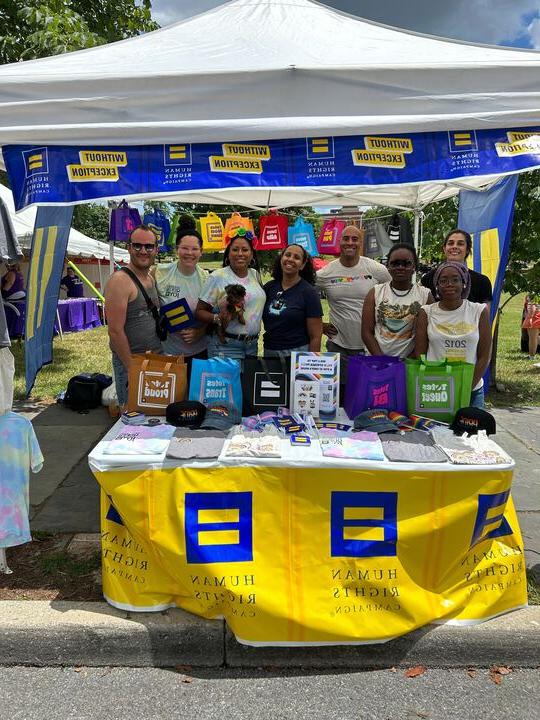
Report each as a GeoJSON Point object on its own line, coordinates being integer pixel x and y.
{"type": "Point", "coordinates": [497, 22]}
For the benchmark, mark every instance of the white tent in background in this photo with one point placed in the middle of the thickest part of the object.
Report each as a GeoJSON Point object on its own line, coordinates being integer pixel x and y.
{"type": "Point", "coordinates": [272, 69]}
{"type": "Point", "coordinates": [89, 254]}
{"type": "Point", "coordinates": [79, 244]}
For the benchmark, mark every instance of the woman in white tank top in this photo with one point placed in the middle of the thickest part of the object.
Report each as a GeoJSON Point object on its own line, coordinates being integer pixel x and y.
{"type": "Point", "coordinates": [455, 328]}
{"type": "Point", "coordinates": [391, 309]}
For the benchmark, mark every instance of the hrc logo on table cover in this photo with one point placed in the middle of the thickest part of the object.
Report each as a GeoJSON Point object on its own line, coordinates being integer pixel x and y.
{"type": "Point", "coordinates": [219, 526]}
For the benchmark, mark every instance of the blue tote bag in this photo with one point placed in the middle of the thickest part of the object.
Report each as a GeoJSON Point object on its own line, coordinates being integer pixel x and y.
{"type": "Point", "coordinates": [302, 233]}
{"type": "Point", "coordinates": [159, 223]}
{"type": "Point", "coordinates": [216, 380]}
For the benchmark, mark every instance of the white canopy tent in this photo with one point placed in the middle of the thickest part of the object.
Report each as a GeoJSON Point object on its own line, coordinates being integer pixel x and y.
{"type": "Point", "coordinates": [79, 244]}
{"type": "Point", "coordinates": [264, 69]}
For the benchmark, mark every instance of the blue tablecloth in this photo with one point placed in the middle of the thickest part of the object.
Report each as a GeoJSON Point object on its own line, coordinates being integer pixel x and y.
{"type": "Point", "coordinates": [75, 314]}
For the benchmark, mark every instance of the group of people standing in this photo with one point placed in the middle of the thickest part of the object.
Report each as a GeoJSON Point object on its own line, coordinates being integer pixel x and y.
{"type": "Point", "coordinates": [373, 308]}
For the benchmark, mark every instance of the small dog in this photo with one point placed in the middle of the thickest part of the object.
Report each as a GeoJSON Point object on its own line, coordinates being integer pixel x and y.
{"type": "Point", "coordinates": [234, 303]}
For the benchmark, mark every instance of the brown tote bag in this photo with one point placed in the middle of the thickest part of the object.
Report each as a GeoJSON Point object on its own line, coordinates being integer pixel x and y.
{"type": "Point", "coordinates": [155, 381]}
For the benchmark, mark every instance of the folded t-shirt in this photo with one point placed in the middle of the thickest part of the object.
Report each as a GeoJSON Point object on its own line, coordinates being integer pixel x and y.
{"type": "Point", "coordinates": [140, 440]}
{"type": "Point", "coordinates": [363, 445]}
{"type": "Point", "coordinates": [413, 446]}
{"type": "Point", "coordinates": [187, 444]}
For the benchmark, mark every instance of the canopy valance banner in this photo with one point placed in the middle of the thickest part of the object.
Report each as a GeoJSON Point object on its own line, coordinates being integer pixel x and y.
{"type": "Point", "coordinates": [66, 175]}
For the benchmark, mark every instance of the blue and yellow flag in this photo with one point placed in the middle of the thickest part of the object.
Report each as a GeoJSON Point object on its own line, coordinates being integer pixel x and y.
{"type": "Point", "coordinates": [49, 245]}
{"type": "Point", "coordinates": [488, 216]}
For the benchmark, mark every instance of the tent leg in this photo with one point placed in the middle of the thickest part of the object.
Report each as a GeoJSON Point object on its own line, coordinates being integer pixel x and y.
{"type": "Point", "coordinates": [416, 228]}
{"type": "Point", "coordinates": [60, 331]}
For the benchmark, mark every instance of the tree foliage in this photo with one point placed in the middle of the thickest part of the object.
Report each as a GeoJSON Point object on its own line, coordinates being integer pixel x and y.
{"type": "Point", "coordinates": [38, 28]}
{"type": "Point", "coordinates": [92, 220]}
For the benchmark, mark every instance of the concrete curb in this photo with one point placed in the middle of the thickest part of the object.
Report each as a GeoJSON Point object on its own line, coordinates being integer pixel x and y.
{"type": "Point", "coordinates": [95, 634]}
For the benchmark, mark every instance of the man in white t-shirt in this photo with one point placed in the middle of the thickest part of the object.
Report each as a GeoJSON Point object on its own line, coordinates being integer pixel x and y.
{"type": "Point", "coordinates": [346, 282]}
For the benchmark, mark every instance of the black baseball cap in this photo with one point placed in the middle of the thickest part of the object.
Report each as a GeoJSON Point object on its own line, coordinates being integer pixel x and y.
{"type": "Point", "coordinates": [187, 413]}
{"type": "Point", "coordinates": [472, 419]}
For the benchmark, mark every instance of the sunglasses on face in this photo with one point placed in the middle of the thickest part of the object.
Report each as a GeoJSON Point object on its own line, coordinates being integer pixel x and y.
{"type": "Point", "coordinates": [443, 282]}
{"type": "Point", "coordinates": [400, 263]}
{"type": "Point", "coordinates": [147, 247]}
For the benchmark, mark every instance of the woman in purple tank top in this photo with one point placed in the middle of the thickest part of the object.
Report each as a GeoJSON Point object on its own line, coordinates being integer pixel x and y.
{"type": "Point", "coordinates": [13, 283]}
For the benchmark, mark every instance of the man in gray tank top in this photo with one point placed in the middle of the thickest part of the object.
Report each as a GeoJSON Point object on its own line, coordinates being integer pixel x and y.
{"type": "Point", "coordinates": [131, 325]}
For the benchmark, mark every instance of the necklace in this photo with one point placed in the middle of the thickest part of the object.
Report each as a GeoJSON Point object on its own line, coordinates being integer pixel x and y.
{"type": "Point", "coordinates": [400, 294]}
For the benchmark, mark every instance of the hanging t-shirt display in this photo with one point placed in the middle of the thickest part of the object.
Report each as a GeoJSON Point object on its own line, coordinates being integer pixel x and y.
{"type": "Point", "coordinates": [346, 289]}
{"type": "Point", "coordinates": [286, 312]}
{"type": "Point", "coordinates": [20, 454]}
{"type": "Point", "coordinates": [395, 317]}
{"type": "Point", "coordinates": [174, 285]}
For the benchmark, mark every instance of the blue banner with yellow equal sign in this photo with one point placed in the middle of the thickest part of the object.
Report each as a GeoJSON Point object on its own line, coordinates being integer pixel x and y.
{"type": "Point", "coordinates": [49, 245]}
{"type": "Point", "coordinates": [63, 174]}
{"type": "Point", "coordinates": [488, 216]}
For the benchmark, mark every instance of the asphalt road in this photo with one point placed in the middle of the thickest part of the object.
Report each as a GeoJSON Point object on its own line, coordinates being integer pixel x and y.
{"type": "Point", "coordinates": [154, 694]}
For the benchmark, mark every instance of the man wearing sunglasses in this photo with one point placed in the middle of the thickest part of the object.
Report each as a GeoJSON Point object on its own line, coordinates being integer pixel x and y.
{"type": "Point", "coordinates": [131, 324]}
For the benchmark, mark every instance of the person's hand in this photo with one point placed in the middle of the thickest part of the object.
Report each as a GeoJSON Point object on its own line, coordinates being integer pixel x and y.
{"type": "Point", "coordinates": [329, 330]}
{"type": "Point", "coordinates": [192, 334]}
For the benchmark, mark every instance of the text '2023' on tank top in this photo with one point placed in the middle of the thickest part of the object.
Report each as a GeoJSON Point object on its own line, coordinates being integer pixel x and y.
{"type": "Point", "coordinates": [453, 334]}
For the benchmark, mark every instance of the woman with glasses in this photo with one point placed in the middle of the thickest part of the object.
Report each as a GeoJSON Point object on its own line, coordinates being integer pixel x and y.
{"type": "Point", "coordinates": [391, 309]}
{"type": "Point", "coordinates": [240, 267]}
{"type": "Point", "coordinates": [293, 313]}
{"type": "Point", "coordinates": [457, 247]}
{"type": "Point", "coordinates": [454, 328]}
{"type": "Point", "coordinates": [184, 279]}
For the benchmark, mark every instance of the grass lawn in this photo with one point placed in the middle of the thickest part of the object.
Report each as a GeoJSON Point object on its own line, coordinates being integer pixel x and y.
{"type": "Point", "coordinates": [89, 352]}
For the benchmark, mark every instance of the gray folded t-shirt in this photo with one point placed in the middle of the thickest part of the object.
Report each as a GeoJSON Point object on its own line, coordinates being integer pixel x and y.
{"type": "Point", "coordinates": [189, 444]}
{"type": "Point", "coordinates": [413, 446]}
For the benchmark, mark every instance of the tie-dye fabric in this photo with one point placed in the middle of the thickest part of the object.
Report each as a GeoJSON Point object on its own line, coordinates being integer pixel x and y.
{"type": "Point", "coordinates": [20, 453]}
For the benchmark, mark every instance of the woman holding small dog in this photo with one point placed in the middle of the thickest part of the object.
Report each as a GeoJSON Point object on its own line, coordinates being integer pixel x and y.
{"type": "Point", "coordinates": [236, 319]}
{"type": "Point", "coordinates": [293, 313]}
{"type": "Point", "coordinates": [184, 279]}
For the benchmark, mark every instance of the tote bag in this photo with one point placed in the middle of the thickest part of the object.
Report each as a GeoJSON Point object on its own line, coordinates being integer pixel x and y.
{"type": "Point", "coordinates": [302, 233]}
{"type": "Point", "coordinates": [155, 381]}
{"type": "Point", "coordinates": [330, 236]}
{"type": "Point", "coordinates": [123, 220]}
{"type": "Point", "coordinates": [233, 223]}
{"type": "Point", "coordinates": [375, 382]}
{"type": "Point", "coordinates": [265, 384]}
{"type": "Point", "coordinates": [212, 232]}
{"type": "Point", "coordinates": [273, 229]}
{"type": "Point", "coordinates": [438, 388]}
{"type": "Point", "coordinates": [216, 380]}
{"type": "Point", "coordinates": [159, 224]}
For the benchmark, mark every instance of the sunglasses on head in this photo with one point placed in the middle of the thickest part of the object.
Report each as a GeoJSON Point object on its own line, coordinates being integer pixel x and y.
{"type": "Point", "coordinates": [147, 247]}
{"type": "Point", "coordinates": [400, 263]}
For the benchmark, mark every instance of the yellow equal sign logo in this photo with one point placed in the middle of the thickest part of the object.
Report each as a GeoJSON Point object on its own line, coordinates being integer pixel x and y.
{"type": "Point", "coordinates": [36, 161]}
{"type": "Point", "coordinates": [318, 148]}
{"type": "Point", "coordinates": [177, 154]}
{"type": "Point", "coordinates": [462, 140]}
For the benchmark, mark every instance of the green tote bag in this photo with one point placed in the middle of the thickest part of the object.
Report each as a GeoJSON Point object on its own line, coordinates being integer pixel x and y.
{"type": "Point", "coordinates": [438, 388]}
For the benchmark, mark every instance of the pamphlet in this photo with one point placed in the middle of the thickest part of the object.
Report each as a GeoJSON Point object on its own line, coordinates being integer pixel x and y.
{"type": "Point", "coordinates": [315, 384]}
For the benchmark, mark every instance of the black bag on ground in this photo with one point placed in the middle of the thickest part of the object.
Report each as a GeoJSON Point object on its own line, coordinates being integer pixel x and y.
{"type": "Point", "coordinates": [265, 384]}
{"type": "Point", "coordinates": [83, 392]}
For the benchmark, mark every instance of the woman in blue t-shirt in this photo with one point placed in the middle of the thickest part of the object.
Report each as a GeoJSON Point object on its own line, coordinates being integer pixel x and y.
{"type": "Point", "coordinates": [292, 313]}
